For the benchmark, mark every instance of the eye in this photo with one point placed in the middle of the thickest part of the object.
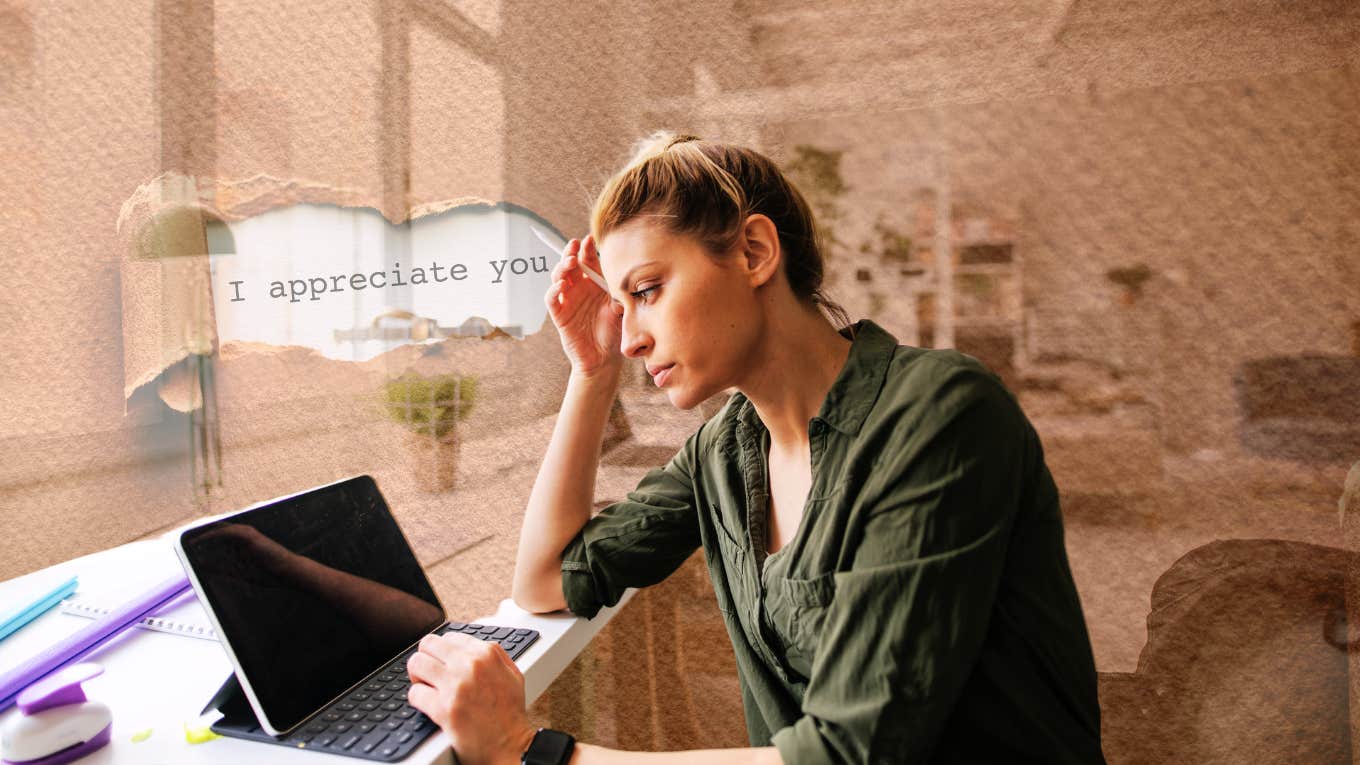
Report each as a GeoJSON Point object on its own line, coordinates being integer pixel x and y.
{"type": "Point", "coordinates": [646, 295]}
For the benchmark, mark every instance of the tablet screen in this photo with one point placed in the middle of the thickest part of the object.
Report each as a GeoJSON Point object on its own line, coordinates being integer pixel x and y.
{"type": "Point", "coordinates": [312, 593]}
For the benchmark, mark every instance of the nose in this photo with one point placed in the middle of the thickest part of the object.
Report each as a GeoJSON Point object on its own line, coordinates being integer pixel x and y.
{"type": "Point", "coordinates": [633, 339]}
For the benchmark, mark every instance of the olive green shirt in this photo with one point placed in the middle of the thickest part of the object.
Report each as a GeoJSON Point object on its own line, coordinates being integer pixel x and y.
{"type": "Point", "coordinates": [923, 611]}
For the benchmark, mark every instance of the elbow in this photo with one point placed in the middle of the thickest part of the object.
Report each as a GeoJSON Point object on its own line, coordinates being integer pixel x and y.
{"type": "Point", "coordinates": [536, 605]}
{"type": "Point", "coordinates": [535, 597]}
{"type": "Point", "coordinates": [533, 606]}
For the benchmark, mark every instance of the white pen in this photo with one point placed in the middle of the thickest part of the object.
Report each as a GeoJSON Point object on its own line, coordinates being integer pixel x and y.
{"type": "Point", "coordinates": [594, 277]}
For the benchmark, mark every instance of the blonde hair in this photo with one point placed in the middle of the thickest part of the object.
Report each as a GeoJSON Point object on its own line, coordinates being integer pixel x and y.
{"type": "Point", "coordinates": [706, 190]}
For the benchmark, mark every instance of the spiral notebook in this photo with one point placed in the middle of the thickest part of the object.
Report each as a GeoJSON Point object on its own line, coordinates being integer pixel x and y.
{"type": "Point", "coordinates": [183, 616]}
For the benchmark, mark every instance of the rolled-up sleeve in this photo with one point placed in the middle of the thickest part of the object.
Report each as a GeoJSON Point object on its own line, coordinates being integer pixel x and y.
{"type": "Point", "coordinates": [907, 620]}
{"type": "Point", "coordinates": [634, 543]}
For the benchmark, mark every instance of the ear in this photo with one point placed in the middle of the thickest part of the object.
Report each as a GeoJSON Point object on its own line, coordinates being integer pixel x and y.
{"type": "Point", "coordinates": [760, 245]}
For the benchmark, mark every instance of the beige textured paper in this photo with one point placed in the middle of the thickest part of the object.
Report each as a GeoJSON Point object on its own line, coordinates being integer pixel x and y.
{"type": "Point", "coordinates": [167, 286]}
{"type": "Point", "coordinates": [1213, 143]}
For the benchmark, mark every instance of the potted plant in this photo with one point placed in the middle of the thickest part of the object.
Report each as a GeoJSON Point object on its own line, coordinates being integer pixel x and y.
{"type": "Point", "coordinates": [431, 408]}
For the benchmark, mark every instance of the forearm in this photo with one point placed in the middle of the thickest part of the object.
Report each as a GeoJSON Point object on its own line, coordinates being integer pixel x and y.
{"type": "Point", "coordinates": [560, 502]}
{"type": "Point", "coordinates": [588, 754]}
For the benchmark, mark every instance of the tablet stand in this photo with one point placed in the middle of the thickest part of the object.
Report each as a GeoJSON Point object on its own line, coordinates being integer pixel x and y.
{"type": "Point", "coordinates": [238, 718]}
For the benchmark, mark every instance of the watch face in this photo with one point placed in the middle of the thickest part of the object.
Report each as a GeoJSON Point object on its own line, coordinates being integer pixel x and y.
{"type": "Point", "coordinates": [549, 747]}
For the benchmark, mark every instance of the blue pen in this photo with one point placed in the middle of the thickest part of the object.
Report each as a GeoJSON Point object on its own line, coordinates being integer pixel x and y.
{"type": "Point", "coordinates": [24, 614]}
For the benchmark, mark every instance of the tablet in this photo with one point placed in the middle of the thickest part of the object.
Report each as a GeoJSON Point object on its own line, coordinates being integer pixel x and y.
{"type": "Point", "coordinates": [310, 594]}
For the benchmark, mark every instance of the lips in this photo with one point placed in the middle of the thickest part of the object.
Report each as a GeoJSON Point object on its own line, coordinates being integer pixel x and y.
{"type": "Point", "coordinates": [660, 374]}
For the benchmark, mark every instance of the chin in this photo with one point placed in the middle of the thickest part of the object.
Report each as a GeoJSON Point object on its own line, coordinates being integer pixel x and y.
{"type": "Point", "coordinates": [686, 397]}
{"type": "Point", "coordinates": [681, 399]}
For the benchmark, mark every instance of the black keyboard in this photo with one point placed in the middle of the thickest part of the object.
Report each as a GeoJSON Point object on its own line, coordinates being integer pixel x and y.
{"type": "Point", "coordinates": [373, 721]}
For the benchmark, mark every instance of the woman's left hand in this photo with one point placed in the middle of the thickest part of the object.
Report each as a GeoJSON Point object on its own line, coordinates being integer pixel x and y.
{"type": "Point", "coordinates": [472, 690]}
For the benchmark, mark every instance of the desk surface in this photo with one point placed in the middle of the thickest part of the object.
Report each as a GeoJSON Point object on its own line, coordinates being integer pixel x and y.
{"type": "Point", "coordinates": [159, 681]}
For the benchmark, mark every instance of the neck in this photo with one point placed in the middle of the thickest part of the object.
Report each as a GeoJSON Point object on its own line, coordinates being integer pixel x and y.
{"type": "Point", "coordinates": [791, 372]}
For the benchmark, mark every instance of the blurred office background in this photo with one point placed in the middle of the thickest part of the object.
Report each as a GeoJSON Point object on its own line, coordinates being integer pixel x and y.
{"type": "Point", "coordinates": [1145, 217]}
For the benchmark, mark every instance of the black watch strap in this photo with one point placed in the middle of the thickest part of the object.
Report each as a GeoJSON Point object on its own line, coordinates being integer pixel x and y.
{"type": "Point", "coordinates": [549, 747]}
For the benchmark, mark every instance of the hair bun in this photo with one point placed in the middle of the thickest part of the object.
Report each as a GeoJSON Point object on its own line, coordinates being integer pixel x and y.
{"type": "Point", "coordinates": [682, 138]}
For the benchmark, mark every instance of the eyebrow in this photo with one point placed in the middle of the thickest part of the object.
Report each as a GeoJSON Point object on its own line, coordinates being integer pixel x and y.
{"type": "Point", "coordinates": [630, 273]}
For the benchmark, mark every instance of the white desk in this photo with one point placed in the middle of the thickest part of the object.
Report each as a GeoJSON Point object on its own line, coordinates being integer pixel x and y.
{"type": "Point", "coordinates": [158, 681]}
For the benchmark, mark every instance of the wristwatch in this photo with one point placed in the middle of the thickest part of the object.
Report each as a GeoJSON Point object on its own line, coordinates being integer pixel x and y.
{"type": "Point", "coordinates": [549, 747]}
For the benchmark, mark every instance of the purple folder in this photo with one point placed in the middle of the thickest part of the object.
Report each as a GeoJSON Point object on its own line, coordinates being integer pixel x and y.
{"type": "Point", "coordinates": [76, 646]}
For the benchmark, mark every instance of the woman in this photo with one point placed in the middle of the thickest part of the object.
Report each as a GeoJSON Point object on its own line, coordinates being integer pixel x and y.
{"type": "Point", "coordinates": [883, 537]}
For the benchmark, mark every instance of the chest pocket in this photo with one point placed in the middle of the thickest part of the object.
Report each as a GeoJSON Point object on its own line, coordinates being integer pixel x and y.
{"type": "Point", "coordinates": [797, 610]}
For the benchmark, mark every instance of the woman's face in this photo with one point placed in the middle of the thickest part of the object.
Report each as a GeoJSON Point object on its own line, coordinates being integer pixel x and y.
{"type": "Point", "coordinates": [690, 317]}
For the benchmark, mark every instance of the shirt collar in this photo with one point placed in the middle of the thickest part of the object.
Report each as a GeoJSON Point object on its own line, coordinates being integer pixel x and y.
{"type": "Point", "coordinates": [856, 388]}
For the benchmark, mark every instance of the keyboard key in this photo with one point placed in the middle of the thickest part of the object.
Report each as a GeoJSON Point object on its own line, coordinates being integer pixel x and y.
{"type": "Point", "coordinates": [325, 739]}
{"type": "Point", "coordinates": [316, 727]}
{"type": "Point", "coordinates": [456, 625]}
{"type": "Point", "coordinates": [472, 627]}
{"type": "Point", "coordinates": [301, 738]}
{"type": "Point", "coordinates": [359, 696]}
{"type": "Point", "coordinates": [340, 727]}
{"type": "Point", "coordinates": [345, 706]}
{"type": "Point", "coordinates": [404, 736]}
{"type": "Point", "coordinates": [372, 740]}
{"type": "Point", "coordinates": [355, 716]}
{"type": "Point", "coordinates": [514, 638]}
{"type": "Point", "coordinates": [523, 632]}
{"type": "Point", "coordinates": [399, 685]}
{"type": "Point", "coordinates": [373, 687]}
{"type": "Point", "coordinates": [392, 706]}
{"type": "Point", "coordinates": [364, 727]}
{"type": "Point", "coordinates": [377, 716]}
{"type": "Point", "coordinates": [385, 677]}
{"type": "Point", "coordinates": [392, 724]}
{"type": "Point", "coordinates": [331, 716]}
{"type": "Point", "coordinates": [349, 741]}
{"type": "Point", "coordinates": [388, 751]}
{"type": "Point", "coordinates": [383, 696]}
{"type": "Point", "coordinates": [369, 706]}
{"type": "Point", "coordinates": [405, 713]}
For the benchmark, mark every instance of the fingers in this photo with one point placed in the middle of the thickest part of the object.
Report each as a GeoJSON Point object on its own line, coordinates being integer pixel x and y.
{"type": "Point", "coordinates": [454, 650]}
{"type": "Point", "coordinates": [563, 274]}
{"type": "Point", "coordinates": [424, 698]}
{"type": "Point", "coordinates": [448, 648]}
{"type": "Point", "coordinates": [566, 276]}
{"type": "Point", "coordinates": [424, 668]}
{"type": "Point", "coordinates": [568, 253]}
{"type": "Point", "coordinates": [590, 255]}
{"type": "Point", "coordinates": [504, 657]}
{"type": "Point", "coordinates": [576, 253]}
{"type": "Point", "coordinates": [553, 297]}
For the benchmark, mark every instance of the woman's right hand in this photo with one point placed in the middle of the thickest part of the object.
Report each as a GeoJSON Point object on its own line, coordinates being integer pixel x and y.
{"type": "Point", "coordinates": [583, 313]}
